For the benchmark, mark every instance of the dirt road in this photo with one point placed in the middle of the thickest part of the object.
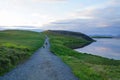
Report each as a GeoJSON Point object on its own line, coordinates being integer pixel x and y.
{"type": "Point", "coordinates": [43, 65]}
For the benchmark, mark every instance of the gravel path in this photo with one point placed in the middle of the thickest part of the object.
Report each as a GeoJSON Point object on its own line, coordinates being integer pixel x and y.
{"type": "Point", "coordinates": [43, 65]}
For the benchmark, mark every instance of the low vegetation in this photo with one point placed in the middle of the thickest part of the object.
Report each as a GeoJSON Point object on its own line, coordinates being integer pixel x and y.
{"type": "Point", "coordinates": [16, 46]}
{"type": "Point", "coordinates": [84, 66]}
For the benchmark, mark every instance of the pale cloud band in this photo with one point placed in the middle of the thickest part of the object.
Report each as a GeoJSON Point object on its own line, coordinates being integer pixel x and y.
{"type": "Point", "coordinates": [39, 0]}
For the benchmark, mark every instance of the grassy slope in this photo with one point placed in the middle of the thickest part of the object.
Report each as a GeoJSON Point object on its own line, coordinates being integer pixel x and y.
{"type": "Point", "coordinates": [84, 66]}
{"type": "Point", "coordinates": [16, 46]}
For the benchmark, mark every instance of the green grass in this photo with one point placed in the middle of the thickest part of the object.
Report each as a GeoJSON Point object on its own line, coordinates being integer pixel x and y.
{"type": "Point", "coordinates": [16, 46]}
{"type": "Point", "coordinates": [84, 66]}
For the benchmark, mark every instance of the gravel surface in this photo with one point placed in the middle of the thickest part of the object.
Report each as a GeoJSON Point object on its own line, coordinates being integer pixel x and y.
{"type": "Point", "coordinates": [43, 65]}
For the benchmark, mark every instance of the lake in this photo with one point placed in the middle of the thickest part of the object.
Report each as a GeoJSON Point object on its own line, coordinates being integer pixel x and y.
{"type": "Point", "coordinates": [106, 47]}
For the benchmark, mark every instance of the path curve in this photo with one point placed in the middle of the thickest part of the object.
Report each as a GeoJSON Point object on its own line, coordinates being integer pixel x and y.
{"type": "Point", "coordinates": [43, 65]}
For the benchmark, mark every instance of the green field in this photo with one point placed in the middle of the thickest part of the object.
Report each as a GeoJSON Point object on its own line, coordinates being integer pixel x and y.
{"type": "Point", "coordinates": [16, 46]}
{"type": "Point", "coordinates": [84, 66]}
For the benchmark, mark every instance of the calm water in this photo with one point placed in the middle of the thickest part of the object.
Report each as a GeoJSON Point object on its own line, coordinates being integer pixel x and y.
{"type": "Point", "coordinates": [109, 48]}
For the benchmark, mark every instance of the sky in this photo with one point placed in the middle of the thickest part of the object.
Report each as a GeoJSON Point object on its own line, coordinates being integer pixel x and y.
{"type": "Point", "coordinates": [59, 14]}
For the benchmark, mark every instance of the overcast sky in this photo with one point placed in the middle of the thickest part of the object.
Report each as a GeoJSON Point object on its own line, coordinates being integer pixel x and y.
{"type": "Point", "coordinates": [67, 14]}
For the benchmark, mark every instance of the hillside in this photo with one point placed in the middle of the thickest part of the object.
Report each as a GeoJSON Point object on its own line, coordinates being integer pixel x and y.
{"type": "Point", "coordinates": [84, 65]}
{"type": "Point", "coordinates": [16, 46]}
{"type": "Point", "coordinates": [70, 33]}
{"type": "Point", "coordinates": [82, 39]}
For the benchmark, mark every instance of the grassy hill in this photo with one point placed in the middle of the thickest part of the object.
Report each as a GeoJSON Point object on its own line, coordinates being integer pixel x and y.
{"type": "Point", "coordinates": [16, 46]}
{"type": "Point", "coordinates": [70, 33]}
{"type": "Point", "coordinates": [84, 66]}
{"type": "Point", "coordinates": [82, 39]}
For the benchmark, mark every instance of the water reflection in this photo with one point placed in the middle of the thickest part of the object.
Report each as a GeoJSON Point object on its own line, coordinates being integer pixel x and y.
{"type": "Point", "coordinates": [109, 48]}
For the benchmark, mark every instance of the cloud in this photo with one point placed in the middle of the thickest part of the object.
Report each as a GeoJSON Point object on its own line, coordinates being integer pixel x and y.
{"type": "Point", "coordinates": [24, 19]}
{"type": "Point", "coordinates": [104, 19]}
{"type": "Point", "coordinates": [102, 11]}
{"type": "Point", "coordinates": [114, 2]}
{"type": "Point", "coordinates": [84, 14]}
{"type": "Point", "coordinates": [68, 16]}
{"type": "Point", "coordinates": [97, 17]}
{"type": "Point", "coordinates": [43, 1]}
{"type": "Point", "coordinates": [48, 0]}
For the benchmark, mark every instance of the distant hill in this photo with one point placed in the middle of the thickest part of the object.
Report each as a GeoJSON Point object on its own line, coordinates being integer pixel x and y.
{"type": "Point", "coordinates": [70, 33]}
{"type": "Point", "coordinates": [27, 28]}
